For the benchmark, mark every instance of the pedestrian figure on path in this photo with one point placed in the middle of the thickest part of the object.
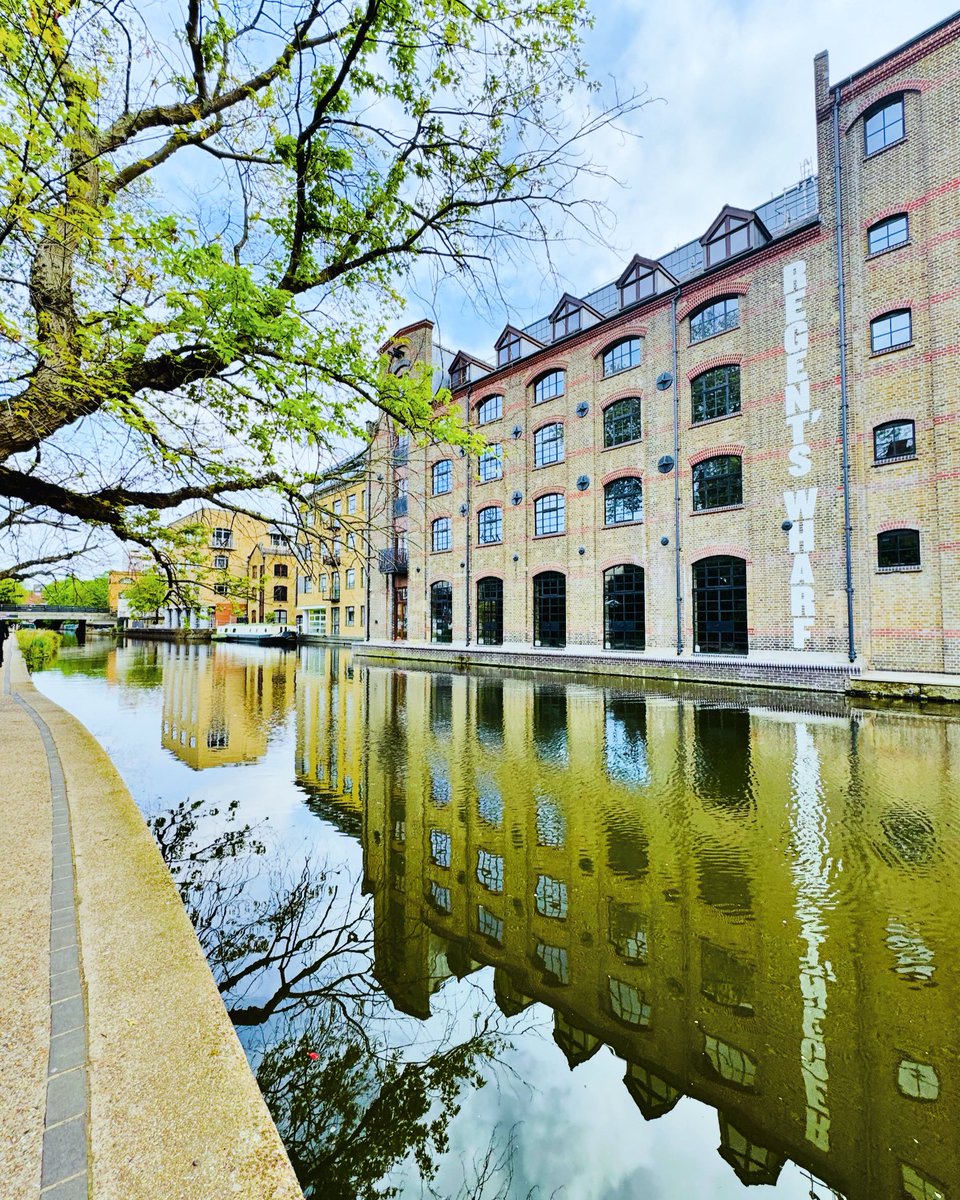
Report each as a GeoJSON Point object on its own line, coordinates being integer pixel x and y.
{"type": "Point", "coordinates": [4, 634]}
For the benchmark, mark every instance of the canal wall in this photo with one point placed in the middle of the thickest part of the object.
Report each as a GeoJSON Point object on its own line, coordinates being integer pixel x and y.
{"type": "Point", "coordinates": [168, 635]}
{"type": "Point", "coordinates": [130, 1084]}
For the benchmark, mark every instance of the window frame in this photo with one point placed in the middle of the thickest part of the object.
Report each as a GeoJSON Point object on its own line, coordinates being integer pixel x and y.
{"type": "Point", "coordinates": [879, 110]}
{"type": "Point", "coordinates": [541, 512]}
{"type": "Point", "coordinates": [509, 350]}
{"type": "Point", "coordinates": [700, 484]}
{"type": "Point", "coordinates": [613, 416]}
{"type": "Point", "coordinates": [610, 498]}
{"type": "Point", "coordinates": [897, 546]}
{"type": "Point", "coordinates": [720, 247]}
{"type": "Point", "coordinates": [547, 440]}
{"type": "Point", "coordinates": [715, 324]}
{"type": "Point", "coordinates": [889, 317]}
{"type": "Point", "coordinates": [711, 392]}
{"type": "Point", "coordinates": [558, 379]}
{"type": "Point", "coordinates": [632, 284]}
{"type": "Point", "coordinates": [611, 360]}
{"type": "Point", "coordinates": [490, 463]}
{"type": "Point", "coordinates": [880, 226]}
{"type": "Point", "coordinates": [441, 608]}
{"type": "Point", "coordinates": [439, 527]}
{"type": "Point", "coordinates": [440, 472]}
{"type": "Point", "coordinates": [569, 319]}
{"type": "Point", "coordinates": [483, 540]}
{"type": "Point", "coordinates": [484, 418]}
{"type": "Point", "coordinates": [879, 459]}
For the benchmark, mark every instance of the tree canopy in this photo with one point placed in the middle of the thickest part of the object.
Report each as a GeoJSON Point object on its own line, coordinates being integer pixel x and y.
{"type": "Point", "coordinates": [207, 209]}
{"type": "Point", "coordinates": [83, 593]}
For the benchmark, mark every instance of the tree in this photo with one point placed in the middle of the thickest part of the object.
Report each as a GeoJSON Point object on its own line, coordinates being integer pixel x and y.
{"type": "Point", "coordinates": [206, 211]}
{"type": "Point", "coordinates": [83, 593]}
{"type": "Point", "coordinates": [147, 595]}
{"type": "Point", "coordinates": [12, 592]}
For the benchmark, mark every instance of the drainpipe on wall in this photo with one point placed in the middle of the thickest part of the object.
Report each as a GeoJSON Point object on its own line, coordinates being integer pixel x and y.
{"type": "Point", "coordinates": [368, 522]}
{"type": "Point", "coordinates": [466, 403]}
{"type": "Point", "coordinates": [844, 411]}
{"type": "Point", "coordinates": [676, 478]}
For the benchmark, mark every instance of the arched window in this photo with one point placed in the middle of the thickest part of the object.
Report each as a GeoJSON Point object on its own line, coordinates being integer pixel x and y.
{"type": "Point", "coordinates": [280, 592]}
{"type": "Point", "coordinates": [621, 422]}
{"type": "Point", "coordinates": [894, 439]}
{"type": "Point", "coordinates": [897, 548]}
{"type": "Point", "coordinates": [888, 233]}
{"type": "Point", "coordinates": [489, 612]}
{"type": "Point", "coordinates": [883, 124]}
{"type": "Point", "coordinates": [623, 501]}
{"type": "Point", "coordinates": [281, 570]}
{"type": "Point", "coordinates": [490, 463]}
{"type": "Point", "coordinates": [549, 514]}
{"type": "Point", "coordinates": [548, 445]}
{"type": "Point", "coordinates": [621, 356]}
{"type": "Point", "coordinates": [440, 535]}
{"type": "Point", "coordinates": [442, 477]}
{"type": "Point", "coordinates": [891, 330]}
{"type": "Point", "coordinates": [489, 526]}
{"type": "Point", "coordinates": [716, 317]}
{"type": "Point", "coordinates": [720, 605]}
{"type": "Point", "coordinates": [718, 482]}
{"type": "Point", "coordinates": [441, 612]}
{"type": "Point", "coordinates": [715, 393]}
{"type": "Point", "coordinates": [623, 608]}
{"type": "Point", "coordinates": [549, 609]}
{"type": "Point", "coordinates": [490, 409]}
{"type": "Point", "coordinates": [549, 385]}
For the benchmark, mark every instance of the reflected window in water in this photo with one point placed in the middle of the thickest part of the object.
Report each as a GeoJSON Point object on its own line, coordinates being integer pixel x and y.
{"type": "Point", "coordinates": [919, 1081]}
{"type": "Point", "coordinates": [398, 817]}
{"type": "Point", "coordinates": [721, 757]}
{"type": "Point", "coordinates": [914, 958]}
{"type": "Point", "coordinates": [551, 823]}
{"type": "Point", "coordinates": [440, 897]}
{"type": "Point", "coordinates": [489, 802]}
{"type": "Point", "coordinates": [441, 705]}
{"type": "Point", "coordinates": [724, 881]}
{"type": "Point", "coordinates": [551, 897]}
{"type": "Point", "coordinates": [731, 1064]}
{"type": "Point", "coordinates": [628, 932]}
{"type": "Point", "coordinates": [753, 1163]}
{"type": "Point", "coordinates": [439, 785]}
{"type": "Point", "coordinates": [555, 962]}
{"type": "Point", "coordinates": [919, 1187]}
{"type": "Point", "coordinates": [912, 836]}
{"type": "Point", "coordinates": [490, 713]}
{"type": "Point", "coordinates": [628, 1004]}
{"type": "Point", "coordinates": [218, 737]}
{"type": "Point", "coordinates": [625, 740]}
{"type": "Point", "coordinates": [628, 851]}
{"type": "Point", "coordinates": [398, 870]}
{"type": "Point", "coordinates": [550, 724]}
{"type": "Point", "coordinates": [652, 1094]}
{"type": "Point", "coordinates": [439, 848]}
{"type": "Point", "coordinates": [489, 926]}
{"type": "Point", "coordinates": [490, 870]}
{"type": "Point", "coordinates": [725, 978]}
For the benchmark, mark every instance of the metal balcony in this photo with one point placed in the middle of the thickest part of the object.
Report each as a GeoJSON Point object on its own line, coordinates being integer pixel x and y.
{"type": "Point", "coordinates": [393, 562]}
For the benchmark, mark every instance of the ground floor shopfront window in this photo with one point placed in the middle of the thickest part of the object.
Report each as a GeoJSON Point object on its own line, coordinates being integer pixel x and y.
{"type": "Point", "coordinates": [489, 612]}
{"type": "Point", "coordinates": [623, 608]}
{"type": "Point", "coordinates": [441, 612]}
{"type": "Point", "coordinates": [550, 609]}
{"type": "Point", "coordinates": [720, 605]}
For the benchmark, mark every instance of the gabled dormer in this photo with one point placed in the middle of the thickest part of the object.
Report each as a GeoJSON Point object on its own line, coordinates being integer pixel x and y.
{"type": "Point", "coordinates": [734, 231]}
{"type": "Point", "coordinates": [571, 315]}
{"type": "Point", "coordinates": [464, 369]}
{"type": "Point", "coordinates": [514, 344]}
{"type": "Point", "coordinates": [643, 278]}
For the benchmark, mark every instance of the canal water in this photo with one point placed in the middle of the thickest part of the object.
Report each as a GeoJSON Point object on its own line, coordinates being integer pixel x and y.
{"type": "Point", "coordinates": [505, 936]}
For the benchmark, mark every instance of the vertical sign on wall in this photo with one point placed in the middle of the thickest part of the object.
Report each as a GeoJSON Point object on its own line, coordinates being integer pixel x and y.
{"type": "Point", "coordinates": [800, 505]}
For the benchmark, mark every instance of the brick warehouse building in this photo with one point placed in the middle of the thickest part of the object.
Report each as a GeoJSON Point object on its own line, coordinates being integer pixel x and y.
{"type": "Point", "coordinates": [674, 459]}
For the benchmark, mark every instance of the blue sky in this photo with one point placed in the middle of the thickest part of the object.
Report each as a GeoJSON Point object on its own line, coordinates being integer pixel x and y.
{"type": "Point", "coordinates": [731, 120]}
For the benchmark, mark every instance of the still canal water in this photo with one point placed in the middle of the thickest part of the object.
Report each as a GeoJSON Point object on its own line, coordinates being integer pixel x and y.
{"type": "Point", "coordinates": [491, 936]}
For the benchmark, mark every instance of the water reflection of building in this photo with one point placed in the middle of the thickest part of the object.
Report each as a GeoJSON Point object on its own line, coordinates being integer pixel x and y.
{"type": "Point", "coordinates": [220, 703]}
{"type": "Point", "coordinates": [330, 734]}
{"type": "Point", "coordinates": [703, 888]}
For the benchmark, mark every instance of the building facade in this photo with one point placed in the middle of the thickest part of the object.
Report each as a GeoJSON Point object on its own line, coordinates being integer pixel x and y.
{"type": "Point", "coordinates": [746, 449]}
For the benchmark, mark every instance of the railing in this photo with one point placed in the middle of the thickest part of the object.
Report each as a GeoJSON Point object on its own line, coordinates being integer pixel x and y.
{"type": "Point", "coordinates": [393, 562]}
{"type": "Point", "coordinates": [400, 506]}
{"type": "Point", "coordinates": [52, 608]}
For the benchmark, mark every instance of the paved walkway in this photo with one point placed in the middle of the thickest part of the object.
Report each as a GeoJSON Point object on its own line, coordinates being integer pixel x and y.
{"type": "Point", "coordinates": [121, 1077]}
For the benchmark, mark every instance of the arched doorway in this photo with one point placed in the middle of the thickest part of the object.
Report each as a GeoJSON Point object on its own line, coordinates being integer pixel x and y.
{"type": "Point", "coordinates": [623, 608]}
{"type": "Point", "coordinates": [720, 605]}
{"type": "Point", "coordinates": [489, 612]}
{"type": "Point", "coordinates": [441, 612]}
{"type": "Point", "coordinates": [550, 609]}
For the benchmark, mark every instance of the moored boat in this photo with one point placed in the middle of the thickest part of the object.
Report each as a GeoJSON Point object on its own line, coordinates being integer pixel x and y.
{"type": "Point", "coordinates": [256, 634]}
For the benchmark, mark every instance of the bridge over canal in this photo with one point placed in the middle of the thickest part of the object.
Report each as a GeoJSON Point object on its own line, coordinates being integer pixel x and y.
{"type": "Point", "coordinates": [51, 616]}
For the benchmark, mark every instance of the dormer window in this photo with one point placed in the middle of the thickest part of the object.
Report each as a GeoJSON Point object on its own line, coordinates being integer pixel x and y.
{"type": "Point", "coordinates": [508, 350]}
{"type": "Point", "coordinates": [566, 319]}
{"type": "Point", "coordinates": [459, 374]}
{"type": "Point", "coordinates": [733, 232]}
{"type": "Point", "coordinates": [638, 284]}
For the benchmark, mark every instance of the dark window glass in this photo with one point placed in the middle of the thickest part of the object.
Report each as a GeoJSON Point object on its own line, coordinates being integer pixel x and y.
{"type": "Point", "coordinates": [898, 548]}
{"type": "Point", "coordinates": [441, 612]}
{"type": "Point", "coordinates": [548, 445]}
{"type": "Point", "coordinates": [550, 514]}
{"type": "Point", "coordinates": [892, 329]}
{"type": "Point", "coordinates": [894, 231]}
{"type": "Point", "coordinates": [638, 285]}
{"type": "Point", "coordinates": [622, 356]}
{"type": "Point", "coordinates": [716, 393]}
{"type": "Point", "coordinates": [623, 605]}
{"type": "Point", "coordinates": [440, 531]}
{"type": "Point", "coordinates": [548, 386]}
{"type": "Point", "coordinates": [895, 439]}
{"type": "Point", "coordinates": [280, 570]}
{"type": "Point", "coordinates": [490, 612]}
{"type": "Point", "coordinates": [715, 318]}
{"type": "Point", "coordinates": [621, 422]}
{"type": "Point", "coordinates": [733, 237]}
{"type": "Point", "coordinates": [460, 375]}
{"type": "Point", "coordinates": [718, 482]}
{"type": "Point", "coordinates": [567, 321]}
{"type": "Point", "coordinates": [442, 477]}
{"type": "Point", "coordinates": [550, 714]}
{"type": "Point", "coordinates": [623, 501]}
{"type": "Point", "coordinates": [441, 701]}
{"type": "Point", "coordinates": [489, 525]}
{"type": "Point", "coordinates": [721, 757]}
{"type": "Point", "coordinates": [550, 609]}
{"type": "Point", "coordinates": [280, 592]}
{"type": "Point", "coordinates": [490, 464]}
{"type": "Point", "coordinates": [720, 606]}
{"type": "Point", "coordinates": [508, 352]}
{"type": "Point", "coordinates": [490, 409]}
{"type": "Point", "coordinates": [883, 125]}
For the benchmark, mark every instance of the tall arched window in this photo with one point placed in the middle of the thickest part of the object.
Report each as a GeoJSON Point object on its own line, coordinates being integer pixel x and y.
{"type": "Point", "coordinates": [883, 124]}
{"type": "Point", "coordinates": [549, 385]}
{"type": "Point", "coordinates": [716, 317]}
{"type": "Point", "coordinates": [621, 356]}
{"type": "Point", "coordinates": [489, 612]}
{"type": "Point", "coordinates": [441, 612]}
{"type": "Point", "coordinates": [490, 409]}
{"type": "Point", "coordinates": [549, 609]}
{"type": "Point", "coordinates": [715, 393]}
{"type": "Point", "coordinates": [621, 422]}
{"type": "Point", "coordinates": [548, 445]}
{"type": "Point", "coordinates": [623, 501]}
{"type": "Point", "coordinates": [623, 608]}
{"type": "Point", "coordinates": [720, 605]}
{"type": "Point", "coordinates": [718, 482]}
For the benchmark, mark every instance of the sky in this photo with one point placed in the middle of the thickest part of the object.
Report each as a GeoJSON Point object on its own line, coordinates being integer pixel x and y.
{"type": "Point", "coordinates": [730, 121]}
